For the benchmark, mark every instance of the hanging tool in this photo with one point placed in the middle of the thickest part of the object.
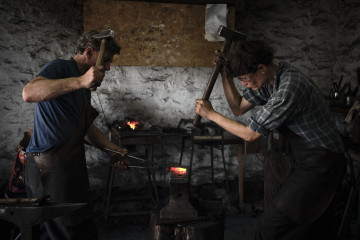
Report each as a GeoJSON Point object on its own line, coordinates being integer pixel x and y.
{"type": "Point", "coordinates": [354, 92]}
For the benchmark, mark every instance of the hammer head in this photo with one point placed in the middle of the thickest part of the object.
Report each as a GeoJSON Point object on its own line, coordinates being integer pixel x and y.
{"type": "Point", "coordinates": [105, 34]}
{"type": "Point", "coordinates": [230, 34]}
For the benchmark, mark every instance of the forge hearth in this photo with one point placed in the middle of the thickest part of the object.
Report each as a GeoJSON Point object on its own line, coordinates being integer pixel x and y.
{"type": "Point", "coordinates": [129, 123]}
{"type": "Point", "coordinates": [180, 220]}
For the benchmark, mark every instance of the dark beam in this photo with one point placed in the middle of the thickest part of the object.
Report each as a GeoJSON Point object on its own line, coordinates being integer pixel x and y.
{"type": "Point", "coordinates": [194, 2]}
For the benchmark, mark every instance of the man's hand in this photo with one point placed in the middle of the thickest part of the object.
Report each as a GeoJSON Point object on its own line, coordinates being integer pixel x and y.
{"type": "Point", "coordinates": [93, 77]}
{"type": "Point", "coordinates": [120, 162]}
{"type": "Point", "coordinates": [203, 108]}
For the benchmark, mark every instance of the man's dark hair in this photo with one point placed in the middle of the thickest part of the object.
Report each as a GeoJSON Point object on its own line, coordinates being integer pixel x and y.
{"type": "Point", "coordinates": [245, 57]}
{"type": "Point", "coordinates": [87, 40]}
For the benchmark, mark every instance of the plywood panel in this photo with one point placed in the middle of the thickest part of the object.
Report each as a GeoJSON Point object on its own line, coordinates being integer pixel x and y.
{"type": "Point", "coordinates": [155, 34]}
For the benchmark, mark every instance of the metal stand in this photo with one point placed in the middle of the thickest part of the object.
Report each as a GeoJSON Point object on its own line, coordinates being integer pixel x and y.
{"type": "Point", "coordinates": [148, 141]}
{"type": "Point", "coordinates": [214, 142]}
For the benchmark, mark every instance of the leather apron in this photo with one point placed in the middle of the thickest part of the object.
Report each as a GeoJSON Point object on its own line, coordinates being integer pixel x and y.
{"type": "Point", "coordinates": [309, 189]}
{"type": "Point", "coordinates": [63, 170]}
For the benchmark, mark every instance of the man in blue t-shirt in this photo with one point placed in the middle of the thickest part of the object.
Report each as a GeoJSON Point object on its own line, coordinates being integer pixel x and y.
{"type": "Point", "coordinates": [63, 121]}
{"type": "Point", "coordinates": [292, 104]}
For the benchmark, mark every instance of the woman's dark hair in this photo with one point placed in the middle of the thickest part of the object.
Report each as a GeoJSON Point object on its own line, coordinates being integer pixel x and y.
{"type": "Point", "coordinates": [87, 40]}
{"type": "Point", "coordinates": [245, 57]}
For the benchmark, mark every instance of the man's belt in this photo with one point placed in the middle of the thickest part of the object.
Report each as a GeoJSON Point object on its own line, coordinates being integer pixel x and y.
{"type": "Point", "coordinates": [32, 154]}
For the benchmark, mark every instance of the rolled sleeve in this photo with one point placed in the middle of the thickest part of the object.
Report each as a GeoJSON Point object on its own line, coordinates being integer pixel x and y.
{"type": "Point", "coordinates": [276, 112]}
{"type": "Point", "coordinates": [256, 127]}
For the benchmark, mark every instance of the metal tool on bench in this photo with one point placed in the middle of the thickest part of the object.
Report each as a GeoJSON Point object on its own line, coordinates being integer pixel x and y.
{"type": "Point", "coordinates": [230, 36]}
{"type": "Point", "coordinates": [27, 213]}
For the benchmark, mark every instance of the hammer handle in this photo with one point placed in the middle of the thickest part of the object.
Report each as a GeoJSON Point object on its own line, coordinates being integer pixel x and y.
{"type": "Point", "coordinates": [225, 49]}
{"type": "Point", "coordinates": [100, 59]}
{"type": "Point", "coordinates": [208, 90]}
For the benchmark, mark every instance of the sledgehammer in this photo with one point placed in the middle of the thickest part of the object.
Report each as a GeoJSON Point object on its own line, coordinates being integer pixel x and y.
{"type": "Point", "coordinates": [230, 36]}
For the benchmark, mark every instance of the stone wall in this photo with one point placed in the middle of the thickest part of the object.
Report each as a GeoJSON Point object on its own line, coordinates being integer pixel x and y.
{"type": "Point", "coordinates": [319, 37]}
{"type": "Point", "coordinates": [32, 33]}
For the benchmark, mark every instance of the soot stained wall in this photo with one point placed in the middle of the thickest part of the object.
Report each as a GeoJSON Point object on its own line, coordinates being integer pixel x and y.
{"type": "Point", "coordinates": [319, 37]}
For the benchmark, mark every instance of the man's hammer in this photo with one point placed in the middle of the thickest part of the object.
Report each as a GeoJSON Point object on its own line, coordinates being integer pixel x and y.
{"type": "Point", "coordinates": [103, 35]}
{"type": "Point", "coordinates": [230, 36]}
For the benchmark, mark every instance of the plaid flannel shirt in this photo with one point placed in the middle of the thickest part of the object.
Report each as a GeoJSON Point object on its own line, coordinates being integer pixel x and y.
{"type": "Point", "coordinates": [297, 103]}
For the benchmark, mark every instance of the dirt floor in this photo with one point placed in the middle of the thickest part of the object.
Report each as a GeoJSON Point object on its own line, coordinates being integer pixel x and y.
{"type": "Point", "coordinates": [238, 226]}
{"type": "Point", "coordinates": [239, 223]}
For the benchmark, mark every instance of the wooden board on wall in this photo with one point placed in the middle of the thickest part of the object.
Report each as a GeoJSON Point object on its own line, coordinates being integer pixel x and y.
{"type": "Point", "coordinates": [155, 34]}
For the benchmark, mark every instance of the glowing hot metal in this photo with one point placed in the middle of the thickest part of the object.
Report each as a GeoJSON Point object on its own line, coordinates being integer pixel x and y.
{"type": "Point", "coordinates": [178, 171]}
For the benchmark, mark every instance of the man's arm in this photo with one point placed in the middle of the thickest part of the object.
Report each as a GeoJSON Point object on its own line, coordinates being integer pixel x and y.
{"type": "Point", "coordinates": [234, 127]}
{"type": "Point", "coordinates": [237, 103]}
{"type": "Point", "coordinates": [42, 89]}
{"type": "Point", "coordinates": [96, 138]}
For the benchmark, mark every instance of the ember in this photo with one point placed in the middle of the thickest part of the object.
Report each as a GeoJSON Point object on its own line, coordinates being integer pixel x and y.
{"type": "Point", "coordinates": [128, 123]}
{"type": "Point", "coordinates": [133, 125]}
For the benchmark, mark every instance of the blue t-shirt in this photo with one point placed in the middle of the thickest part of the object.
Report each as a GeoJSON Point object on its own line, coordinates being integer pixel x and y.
{"type": "Point", "coordinates": [54, 120]}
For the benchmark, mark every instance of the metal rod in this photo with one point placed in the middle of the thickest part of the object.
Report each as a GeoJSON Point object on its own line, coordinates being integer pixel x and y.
{"type": "Point", "coordinates": [131, 166]}
{"type": "Point", "coordinates": [138, 167]}
{"type": "Point", "coordinates": [130, 156]}
{"type": "Point", "coordinates": [156, 168]}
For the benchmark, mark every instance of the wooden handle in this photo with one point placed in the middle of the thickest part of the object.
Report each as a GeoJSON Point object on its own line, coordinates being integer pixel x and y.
{"type": "Point", "coordinates": [225, 49]}
{"type": "Point", "coordinates": [100, 59]}
{"type": "Point", "coordinates": [208, 91]}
